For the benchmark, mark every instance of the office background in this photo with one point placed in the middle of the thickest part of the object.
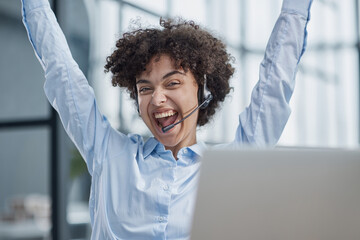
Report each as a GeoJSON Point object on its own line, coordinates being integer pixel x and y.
{"type": "Point", "coordinates": [41, 178]}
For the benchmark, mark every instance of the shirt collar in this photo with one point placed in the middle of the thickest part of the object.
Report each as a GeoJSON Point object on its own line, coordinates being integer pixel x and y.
{"type": "Point", "coordinates": [149, 146]}
{"type": "Point", "coordinates": [152, 143]}
{"type": "Point", "coordinates": [191, 154]}
{"type": "Point", "coordinates": [198, 148]}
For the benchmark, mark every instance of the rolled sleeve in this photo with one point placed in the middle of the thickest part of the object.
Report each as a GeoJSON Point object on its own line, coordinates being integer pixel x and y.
{"type": "Point", "coordinates": [299, 6]}
{"type": "Point", "coordinates": [30, 5]}
{"type": "Point", "coordinates": [263, 121]}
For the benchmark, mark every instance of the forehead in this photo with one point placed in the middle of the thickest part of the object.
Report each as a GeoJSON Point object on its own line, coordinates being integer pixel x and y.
{"type": "Point", "coordinates": [159, 64]}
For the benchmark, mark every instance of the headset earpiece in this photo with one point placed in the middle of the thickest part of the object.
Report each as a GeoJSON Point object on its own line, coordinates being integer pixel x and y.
{"type": "Point", "coordinates": [205, 95]}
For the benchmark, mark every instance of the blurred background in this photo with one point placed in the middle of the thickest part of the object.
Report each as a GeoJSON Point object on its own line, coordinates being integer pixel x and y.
{"type": "Point", "coordinates": [44, 185]}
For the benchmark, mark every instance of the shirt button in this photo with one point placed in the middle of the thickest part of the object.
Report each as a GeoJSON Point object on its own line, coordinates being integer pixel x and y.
{"type": "Point", "coordinates": [166, 187]}
{"type": "Point", "coordinates": [185, 151]}
{"type": "Point", "coordinates": [161, 219]}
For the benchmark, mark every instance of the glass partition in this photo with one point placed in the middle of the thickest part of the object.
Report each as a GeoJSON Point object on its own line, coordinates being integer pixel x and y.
{"type": "Point", "coordinates": [25, 202]}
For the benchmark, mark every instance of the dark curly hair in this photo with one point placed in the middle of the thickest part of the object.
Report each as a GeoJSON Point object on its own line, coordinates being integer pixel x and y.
{"type": "Point", "coordinates": [192, 49]}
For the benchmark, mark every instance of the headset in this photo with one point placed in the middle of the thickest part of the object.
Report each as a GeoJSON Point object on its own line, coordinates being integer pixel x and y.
{"type": "Point", "coordinates": [204, 98]}
{"type": "Point", "coordinates": [204, 95]}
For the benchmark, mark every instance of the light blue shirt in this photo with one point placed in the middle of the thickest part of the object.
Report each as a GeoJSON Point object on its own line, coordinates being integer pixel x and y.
{"type": "Point", "coordinates": [139, 190]}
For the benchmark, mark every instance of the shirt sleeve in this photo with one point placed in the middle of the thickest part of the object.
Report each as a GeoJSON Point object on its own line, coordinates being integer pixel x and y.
{"type": "Point", "coordinates": [263, 121]}
{"type": "Point", "coordinates": [66, 87]}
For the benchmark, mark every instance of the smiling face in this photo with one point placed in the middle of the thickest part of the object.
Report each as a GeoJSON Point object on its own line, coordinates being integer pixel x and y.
{"type": "Point", "coordinates": [165, 96]}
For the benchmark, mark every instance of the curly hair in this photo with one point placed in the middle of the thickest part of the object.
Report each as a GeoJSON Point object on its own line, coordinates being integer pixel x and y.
{"type": "Point", "coordinates": [192, 49]}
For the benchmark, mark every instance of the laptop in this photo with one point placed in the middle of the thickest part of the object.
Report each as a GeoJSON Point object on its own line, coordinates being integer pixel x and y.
{"type": "Point", "coordinates": [280, 194]}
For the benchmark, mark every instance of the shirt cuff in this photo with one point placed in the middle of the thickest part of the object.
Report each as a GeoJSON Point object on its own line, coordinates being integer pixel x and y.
{"type": "Point", "coordinates": [299, 6]}
{"type": "Point", "coordinates": [29, 5]}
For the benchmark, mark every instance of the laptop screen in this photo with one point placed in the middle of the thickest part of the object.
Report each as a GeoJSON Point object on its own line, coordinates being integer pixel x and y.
{"type": "Point", "coordinates": [278, 194]}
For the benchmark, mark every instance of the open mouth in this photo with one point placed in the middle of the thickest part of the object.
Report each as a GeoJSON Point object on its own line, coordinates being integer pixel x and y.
{"type": "Point", "coordinates": [164, 119]}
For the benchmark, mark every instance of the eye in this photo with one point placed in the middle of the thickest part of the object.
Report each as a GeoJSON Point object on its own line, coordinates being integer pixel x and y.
{"type": "Point", "coordinates": [173, 83]}
{"type": "Point", "coordinates": [144, 90]}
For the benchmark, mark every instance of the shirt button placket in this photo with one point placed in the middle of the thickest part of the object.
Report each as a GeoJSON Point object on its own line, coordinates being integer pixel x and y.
{"type": "Point", "coordinates": [166, 187]}
{"type": "Point", "coordinates": [161, 219]}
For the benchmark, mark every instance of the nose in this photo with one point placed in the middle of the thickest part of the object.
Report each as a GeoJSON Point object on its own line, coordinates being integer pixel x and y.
{"type": "Point", "coordinates": [158, 97]}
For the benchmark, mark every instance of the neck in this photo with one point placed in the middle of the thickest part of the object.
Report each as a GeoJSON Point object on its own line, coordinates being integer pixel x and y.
{"type": "Point", "coordinates": [186, 143]}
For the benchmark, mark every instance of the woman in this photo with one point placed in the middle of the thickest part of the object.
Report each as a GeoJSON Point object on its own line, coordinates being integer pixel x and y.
{"type": "Point", "coordinates": [165, 70]}
{"type": "Point", "coordinates": [146, 190]}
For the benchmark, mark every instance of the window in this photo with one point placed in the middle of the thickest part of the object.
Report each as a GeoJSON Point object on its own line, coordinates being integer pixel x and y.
{"type": "Point", "coordinates": [325, 102]}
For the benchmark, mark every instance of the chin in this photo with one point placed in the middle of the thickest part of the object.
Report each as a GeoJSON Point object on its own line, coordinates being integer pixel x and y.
{"type": "Point", "coordinates": [168, 140]}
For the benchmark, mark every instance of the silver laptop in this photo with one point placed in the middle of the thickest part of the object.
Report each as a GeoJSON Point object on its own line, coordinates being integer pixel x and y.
{"type": "Point", "coordinates": [278, 195]}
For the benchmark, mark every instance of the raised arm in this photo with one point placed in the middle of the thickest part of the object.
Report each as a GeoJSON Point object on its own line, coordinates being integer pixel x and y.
{"type": "Point", "coordinates": [66, 87]}
{"type": "Point", "coordinates": [263, 121]}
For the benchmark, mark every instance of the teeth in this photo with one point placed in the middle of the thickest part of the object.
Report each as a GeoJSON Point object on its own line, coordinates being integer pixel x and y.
{"type": "Point", "coordinates": [164, 114]}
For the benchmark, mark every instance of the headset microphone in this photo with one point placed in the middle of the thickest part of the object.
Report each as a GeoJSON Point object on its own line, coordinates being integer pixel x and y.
{"type": "Point", "coordinates": [208, 97]}
{"type": "Point", "coordinates": [203, 105]}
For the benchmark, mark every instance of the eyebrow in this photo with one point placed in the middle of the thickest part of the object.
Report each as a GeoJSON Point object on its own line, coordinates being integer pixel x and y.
{"type": "Point", "coordinates": [172, 73]}
{"type": "Point", "coordinates": [142, 81]}
{"type": "Point", "coordinates": [164, 77]}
